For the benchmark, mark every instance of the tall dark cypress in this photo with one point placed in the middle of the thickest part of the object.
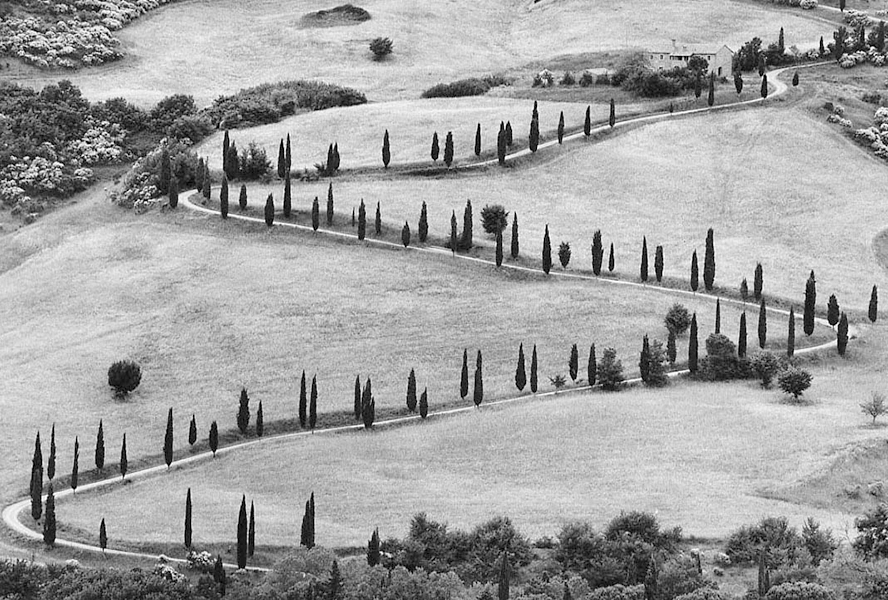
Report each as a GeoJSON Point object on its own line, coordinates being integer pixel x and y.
{"type": "Point", "coordinates": [454, 240]}
{"type": "Point", "coordinates": [75, 469]}
{"type": "Point", "coordinates": [357, 406]}
{"type": "Point", "coordinates": [790, 333]}
{"type": "Point", "coordinates": [873, 310]}
{"type": "Point", "coordinates": [242, 534]}
{"type": "Point", "coordinates": [373, 549]}
{"type": "Point", "coordinates": [124, 463]}
{"type": "Point", "coordinates": [335, 156]}
{"type": "Point", "coordinates": [226, 143]}
{"type": "Point", "coordinates": [533, 370]}
{"type": "Point", "coordinates": [315, 214]}
{"type": "Point", "coordinates": [423, 228]}
{"type": "Point", "coordinates": [368, 405]}
{"type": "Point", "coordinates": [478, 140]}
{"type": "Point", "coordinates": [502, 589]}
{"type": "Point", "coordinates": [573, 363]}
{"type": "Point", "coordinates": [436, 150]}
{"type": "Point", "coordinates": [288, 197]}
{"type": "Point", "coordinates": [303, 402]}
{"type": "Point", "coordinates": [597, 252]}
{"type": "Point", "coordinates": [478, 390]}
{"type": "Point", "coordinates": [533, 139]}
{"type": "Point", "coordinates": [448, 149]}
{"type": "Point", "coordinates": [693, 350]}
{"type": "Point", "coordinates": [103, 536]}
{"type": "Point", "coordinates": [520, 375]}
{"type": "Point", "coordinates": [710, 99]}
{"type": "Point", "coordinates": [465, 242]}
{"type": "Point", "coordinates": [260, 420]}
{"type": "Point", "coordinates": [758, 282]}
{"type": "Point", "coordinates": [269, 210]}
{"type": "Point", "coordinates": [514, 248]}
{"type": "Point", "coordinates": [764, 90]}
{"type": "Point", "coordinates": [362, 221]}
{"type": "Point", "coordinates": [832, 310]}
{"type": "Point", "coordinates": [330, 204]}
{"type": "Point", "coordinates": [499, 247]}
{"type": "Point", "coordinates": [243, 411]}
{"type": "Point", "coordinates": [49, 521]}
{"type": "Point", "coordinates": [810, 304]}
{"type": "Point", "coordinates": [163, 185]}
{"type": "Point", "coordinates": [242, 197]}
{"type": "Point", "coordinates": [424, 403]}
{"type": "Point", "coordinates": [501, 145]}
{"type": "Point", "coordinates": [251, 531]}
{"type": "Point", "coordinates": [709, 261]}
{"type": "Point", "coordinates": [386, 150]}
{"type": "Point", "coordinates": [547, 251]}
{"type": "Point", "coordinates": [610, 259]}
{"type": "Point", "coordinates": [405, 234]}
{"type": "Point", "coordinates": [671, 350]}
{"type": "Point", "coordinates": [37, 480]}
{"type": "Point", "coordinates": [282, 161]}
{"type": "Point", "coordinates": [561, 127]}
{"type": "Point", "coordinates": [592, 367]}
{"type": "Point", "coordinates": [658, 263]}
{"type": "Point", "coordinates": [464, 376]}
{"type": "Point", "coordinates": [313, 404]}
{"type": "Point", "coordinates": [192, 431]}
{"type": "Point", "coordinates": [174, 193]}
{"type": "Point", "coordinates": [377, 222]}
{"type": "Point", "coordinates": [842, 335]}
{"type": "Point", "coordinates": [695, 272]}
{"type": "Point", "coordinates": [612, 120]}
{"type": "Point", "coordinates": [205, 190]}
{"type": "Point", "coordinates": [188, 532]}
{"type": "Point", "coordinates": [741, 340]}
{"type": "Point", "coordinates": [644, 360]}
{"type": "Point", "coordinates": [223, 198]}
{"type": "Point", "coordinates": [763, 324]}
{"type": "Point", "coordinates": [168, 440]}
{"type": "Point", "coordinates": [643, 271]}
{"type": "Point", "coordinates": [718, 315]}
{"type": "Point", "coordinates": [288, 156]}
{"type": "Point", "coordinates": [199, 175]}
{"type": "Point", "coordinates": [214, 438]}
{"type": "Point", "coordinates": [100, 447]}
{"type": "Point", "coordinates": [411, 391]}
{"type": "Point", "coordinates": [587, 124]}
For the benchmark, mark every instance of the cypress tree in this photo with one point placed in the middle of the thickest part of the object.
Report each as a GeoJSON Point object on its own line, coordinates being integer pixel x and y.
{"type": "Point", "coordinates": [795, 79]}
{"type": "Point", "coordinates": [695, 272]}
{"type": "Point", "coordinates": [251, 531]}
{"type": "Point", "coordinates": [520, 375]}
{"type": "Point", "coordinates": [573, 363]}
{"type": "Point", "coordinates": [610, 259]}
{"type": "Point", "coordinates": [533, 139]}
{"type": "Point", "coordinates": [842, 335]}
{"type": "Point", "coordinates": [465, 241]}
{"type": "Point", "coordinates": [561, 127]}
{"type": "Point", "coordinates": [313, 404]}
{"type": "Point", "coordinates": [331, 161]}
{"type": "Point", "coordinates": [214, 438]}
{"type": "Point", "coordinates": [282, 161]}
{"type": "Point", "coordinates": [435, 149]}
{"type": "Point", "coordinates": [423, 223]}
{"type": "Point", "coordinates": [592, 367]}
{"type": "Point", "coordinates": [710, 99]}
{"type": "Point", "coordinates": [873, 311]}
{"type": "Point", "coordinates": [226, 144]}
{"type": "Point", "coordinates": [75, 470]}
{"type": "Point", "coordinates": [478, 140]}
{"type": "Point", "coordinates": [100, 447]}
{"type": "Point", "coordinates": [501, 145]}
{"type": "Point", "coordinates": [233, 169]}
{"type": "Point", "coordinates": [547, 251]}
{"type": "Point", "coordinates": [368, 405]}
{"type": "Point", "coordinates": [464, 376]}
{"type": "Point", "coordinates": [762, 63]}
{"type": "Point", "coordinates": [223, 198]}
{"type": "Point", "coordinates": [373, 549]}
{"type": "Point", "coordinates": [744, 290]}
{"type": "Point", "coordinates": [738, 82]}
{"type": "Point", "coordinates": [514, 248]}
{"type": "Point", "coordinates": [671, 350]}
{"type": "Point", "coordinates": [692, 345]}
{"type": "Point", "coordinates": [587, 124]}
{"type": "Point", "coordinates": [758, 282]}
{"type": "Point", "coordinates": [411, 391]}
{"type": "Point", "coordinates": [698, 85]}
{"type": "Point", "coordinates": [124, 463]}
{"type": "Point", "coordinates": [832, 310]}
{"type": "Point", "coordinates": [174, 193]}
{"type": "Point", "coordinates": [288, 198]}
{"type": "Point", "coordinates": [822, 49]}
{"type": "Point", "coordinates": [810, 303]}
{"type": "Point", "coordinates": [353, 216]}
{"type": "Point", "coordinates": [269, 210]}
{"type": "Point", "coordinates": [51, 462]}
{"type": "Point", "coordinates": [741, 340]}
{"type": "Point", "coordinates": [103, 536]}
{"type": "Point", "coordinates": [644, 360]}
{"type": "Point", "coordinates": [242, 198]}
{"type": "Point", "coordinates": [424, 403]}
{"type": "Point", "coordinates": [499, 247]}
{"type": "Point", "coordinates": [718, 315]}
{"type": "Point", "coordinates": [507, 132]}
{"type": "Point", "coordinates": [303, 402]}
{"type": "Point", "coordinates": [357, 406]}
{"type": "Point", "coordinates": [644, 259]}
{"type": "Point", "coordinates": [163, 185]}
{"type": "Point", "coordinates": [49, 523]}
{"type": "Point", "coordinates": [478, 391]}
{"type": "Point", "coordinates": [709, 261]}
{"type": "Point", "coordinates": [334, 583]}
{"type": "Point", "coordinates": [37, 483]}
{"type": "Point", "coordinates": [658, 263]}
{"type": "Point", "coordinates": [315, 214]}
{"type": "Point", "coordinates": [386, 150]}
{"type": "Point", "coordinates": [199, 175]}
{"type": "Point", "coordinates": [219, 575]}
{"type": "Point", "coordinates": [763, 324]}
{"type": "Point", "coordinates": [242, 534]}
{"type": "Point", "coordinates": [790, 334]}
{"type": "Point", "coordinates": [335, 156]}
{"type": "Point", "coordinates": [243, 411]}
{"type": "Point", "coordinates": [206, 191]}
{"type": "Point", "coordinates": [192, 431]}
{"type": "Point", "coordinates": [454, 240]}
{"type": "Point", "coordinates": [764, 86]}
{"type": "Point", "coordinates": [362, 221]}
{"type": "Point", "coordinates": [330, 204]}
{"type": "Point", "coordinates": [502, 589]}
{"type": "Point", "coordinates": [533, 370]}
{"type": "Point", "coordinates": [880, 37]}
{"type": "Point", "coordinates": [188, 532]}
{"type": "Point", "coordinates": [405, 234]}
{"type": "Point", "coordinates": [377, 223]}
{"type": "Point", "coordinates": [448, 149]}
{"type": "Point", "coordinates": [260, 420]}
{"type": "Point", "coordinates": [781, 47]}
{"type": "Point", "coordinates": [288, 156]}
{"type": "Point", "coordinates": [612, 119]}
{"type": "Point", "coordinates": [597, 252]}
{"type": "Point", "coordinates": [168, 440]}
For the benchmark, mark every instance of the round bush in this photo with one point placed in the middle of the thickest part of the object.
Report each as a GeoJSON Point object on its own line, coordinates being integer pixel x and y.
{"type": "Point", "coordinates": [678, 319]}
{"type": "Point", "coordinates": [799, 591]}
{"type": "Point", "coordinates": [124, 376]}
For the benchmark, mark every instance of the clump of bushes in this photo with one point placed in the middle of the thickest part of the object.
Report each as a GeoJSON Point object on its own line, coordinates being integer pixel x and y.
{"type": "Point", "coordinates": [253, 163]}
{"type": "Point", "coordinates": [381, 47]}
{"type": "Point", "coordinates": [678, 319]}
{"type": "Point", "coordinates": [781, 544]}
{"type": "Point", "coordinates": [721, 362]}
{"type": "Point", "coordinates": [494, 218]}
{"type": "Point", "coordinates": [473, 86]}
{"type": "Point", "coordinates": [124, 376]}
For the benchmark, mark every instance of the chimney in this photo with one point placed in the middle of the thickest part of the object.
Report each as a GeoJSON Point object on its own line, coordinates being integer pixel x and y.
{"type": "Point", "coordinates": [674, 45]}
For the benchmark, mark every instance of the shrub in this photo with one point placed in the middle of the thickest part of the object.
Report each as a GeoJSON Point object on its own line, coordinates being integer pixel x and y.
{"type": "Point", "coordinates": [568, 79]}
{"type": "Point", "coordinates": [253, 162]}
{"type": "Point", "coordinates": [678, 319]}
{"type": "Point", "coordinates": [190, 127]}
{"type": "Point", "coordinates": [766, 366]}
{"type": "Point", "coordinates": [721, 362]}
{"type": "Point", "coordinates": [819, 543]}
{"type": "Point", "coordinates": [380, 47]}
{"type": "Point", "coordinates": [494, 218]}
{"type": "Point", "coordinates": [875, 406]}
{"type": "Point", "coordinates": [872, 97]}
{"type": "Point", "coordinates": [124, 376]}
{"type": "Point", "coordinates": [704, 593]}
{"type": "Point", "coordinates": [169, 109]}
{"type": "Point", "coordinates": [794, 381]}
{"type": "Point", "coordinates": [773, 535]}
{"type": "Point", "coordinates": [464, 87]}
{"type": "Point", "coordinates": [799, 591]}
{"type": "Point", "coordinates": [679, 576]}
{"type": "Point", "coordinates": [872, 542]}
{"type": "Point", "coordinates": [587, 79]}
{"type": "Point", "coordinates": [617, 592]}
{"type": "Point", "coordinates": [610, 370]}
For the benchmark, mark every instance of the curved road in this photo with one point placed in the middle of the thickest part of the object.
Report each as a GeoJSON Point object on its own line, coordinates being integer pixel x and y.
{"type": "Point", "coordinates": [11, 514]}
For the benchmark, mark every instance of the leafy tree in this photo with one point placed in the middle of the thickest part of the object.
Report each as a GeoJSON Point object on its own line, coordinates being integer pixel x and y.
{"type": "Point", "coordinates": [790, 333]}
{"type": "Point", "coordinates": [124, 376]}
{"type": "Point", "coordinates": [533, 370]}
{"type": "Point", "coordinates": [424, 403]}
{"type": "Point", "coordinates": [103, 536]}
{"type": "Point", "coordinates": [188, 531]}
{"type": "Point", "coordinates": [587, 123]}
{"type": "Point", "coordinates": [478, 393]}
{"type": "Point", "coordinates": [168, 440]}
{"type": "Point", "coordinates": [362, 221]}
{"type": "Point", "coordinates": [49, 521]}
{"type": "Point", "coordinates": [381, 47]}
{"type": "Point", "coordinates": [644, 260]}
{"type": "Point", "coordinates": [561, 127]}
{"type": "Point", "coordinates": [357, 407]}
{"type": "Point", "coordinates": [658, 263]}
{"type": "Point", "coordinates": [520, 375]}
{"type": "Point", "coordinates": [448, 149]}
{"type": "Point", "coordinates": [597, 252]}
{"type": "Point", "coordinates": [315, 214]}
{"type": "Point", "coordinates": [709, 262]}
{"type": "Point", "coordinates": [478, 140]}
{"type": "Point", "coordinates": [794, 381]}
{"type": "Point", "coordinates": [763, 324]}
{"type": "Point", "coordinates": [243, 411]}
{"type": "Point", "coordinates": [764, 86]}
{"type": "Point", "coordinates": [75, 471]}
{"type": "Point", "coordinates": [435, 149]}
{"type": "Point", "coordinates": [612, 119]}
{"type": "Point", "coordinates": [564, 254]}
{"type": "Point", "coordinates": [223, 198]}
{"type": "Point", "coordinates": [242, 198]}
{"type": "Point", "coordinates": [677, 319]}
{"type": "Point", "coordinates": [260, 420]}
{"type": "Point", "coordinates": [610, 370]}
{"type": "Point", "coordinates": [514, 248]}
{"type": "Point", "coordinates": [547, 251]}
{"type": "Point", "coordinates": [873, 311]}
{"type": "Point", "coordinates": [411, 391]}
{"type": "Point", "coordinates": [251, 531]}
{"type": "Point", "coordinates": [842, 335]}
{"type": "Point", "coordinates": [405, 234]}
{"type": "Point", "coordinates": [494, 218]}
{"type": "Point", "coordinates": [51, 461]}
{"type": "Point", "coordinates": [874, 407]}
{"type": "Point", "coordinates": [377, 223]}
{"type": "Point", "coordinates": [695, 272]}
{"type": "Point", "coordinates": [288, 201]}
{"type": "Point", "coordinates": [832, 310]}
{"type": "Point", "coordinates": [214, 438]}
{"type": "Point", "coordinates": [242, 534]}
{"type": "Point", "coordinates": [100, 447]}
{"type": "Point", "coordinates": [386, 150]}
{"type": "Point", "coordinates": [423, 223]}
{"type": "Point", "coordinates": [373, 549]}
{"type": "Point", "coordinates": [810, 303]}
{"type": "Point", "coordinates": [644, 360]}
{"type": "Point", "coordinates": [693, 350]}
{"type": "Point", "coordinates": [573, 363]}
{"type": "Point", "coordinates": [330, 204]}
{"type": "Point", "coordinates": [303, 401]}
{"type": "Point", "coordinates": [592, 367]}
{"type": "Point", "coordinates": [741, 340]}
{"type": "Point", "coordinates": [766, 367]}
{"type": "Point", "coordinates": [671, 350]}
{"type": "Point", "coordinates": [464, 375]}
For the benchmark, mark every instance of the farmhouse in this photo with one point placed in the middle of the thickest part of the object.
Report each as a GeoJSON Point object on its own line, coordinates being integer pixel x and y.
{"type": "Point", "coordinates": [718, 57]}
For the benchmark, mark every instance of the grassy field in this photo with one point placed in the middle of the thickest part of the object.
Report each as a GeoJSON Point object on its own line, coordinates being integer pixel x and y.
{"type": "Point", "coordinates": [671, 182]}
{"type": "Point", "coordinates": [243, 43]}
{"type": "Point", "coordinates": [697, 455]}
